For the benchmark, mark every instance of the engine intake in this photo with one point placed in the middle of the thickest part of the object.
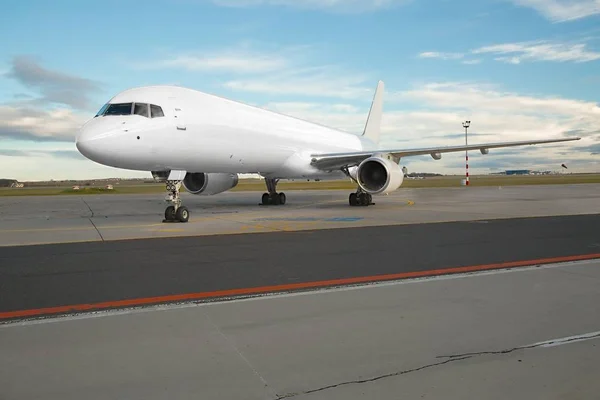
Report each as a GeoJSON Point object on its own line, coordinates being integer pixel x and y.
{"type": "Point", "coordinates": [378, 175]}
{"type": "Point", "coordinates": [201, 183]}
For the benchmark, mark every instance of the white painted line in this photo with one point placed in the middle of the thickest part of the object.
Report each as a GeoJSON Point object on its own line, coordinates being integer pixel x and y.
{"type": "Point", "coordinates": [272, 296]}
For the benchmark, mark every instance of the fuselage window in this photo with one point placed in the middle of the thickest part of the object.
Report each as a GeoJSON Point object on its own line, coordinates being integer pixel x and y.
{"type": "Point", "coordinates": [119, 109]}
{"type": "Point", "coordinates": [156, 111]}
{"type": "Point", "coordinates": [141, 109]}
{"type": "Point", "coordinates": [102, 110]}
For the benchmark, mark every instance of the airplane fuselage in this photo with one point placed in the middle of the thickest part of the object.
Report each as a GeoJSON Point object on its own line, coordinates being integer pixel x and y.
{"type": "Point", "coordinates": [200, 132]}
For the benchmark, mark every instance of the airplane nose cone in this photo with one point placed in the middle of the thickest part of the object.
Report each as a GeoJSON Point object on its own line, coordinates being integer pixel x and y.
{"type": "Point", "coordinates": [94, 142]}
{"type": "Point", "coordinates": [84, 143]}
{"type": "Point", "coordinates": [83, 146]}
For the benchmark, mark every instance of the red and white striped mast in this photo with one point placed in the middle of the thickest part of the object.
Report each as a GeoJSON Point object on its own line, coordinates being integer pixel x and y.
{"type": "Point", "coordinates": [466, 125]}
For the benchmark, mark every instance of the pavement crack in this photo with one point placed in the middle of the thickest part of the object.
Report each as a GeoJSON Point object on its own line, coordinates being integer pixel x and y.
{"type": "Point", "coordinates": [548, 343]}
{"type": "Point", "coordinates": [449, 359]}
{"type": "Point", "coordinates": [90, 219]}
{"type": "Point", "coordinates": [376, 378]}
{"type": "Point", "coordinates": [96, 228]}
{"type": "Point", "coordinates": [88, 206]}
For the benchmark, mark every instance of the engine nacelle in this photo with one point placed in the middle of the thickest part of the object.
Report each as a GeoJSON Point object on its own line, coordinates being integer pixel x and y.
{"type": "Point", "coordinates": [436, 156]}
{"type": "Point", "coordinates": [378, 175]}
{"type": "Point", "coordinates": [204, 184]}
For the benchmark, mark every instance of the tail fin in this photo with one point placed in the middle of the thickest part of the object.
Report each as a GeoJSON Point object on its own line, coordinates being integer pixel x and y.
{"type": "Point", "coordinates": [373, 125]}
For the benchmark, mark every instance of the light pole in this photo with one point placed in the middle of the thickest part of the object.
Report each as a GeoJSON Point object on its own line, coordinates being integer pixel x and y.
{"type": "Point", "coordinates": [466, 125]}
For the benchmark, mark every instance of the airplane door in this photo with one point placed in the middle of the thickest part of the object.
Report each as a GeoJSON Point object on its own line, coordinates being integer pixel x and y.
{"type": "Point", "coordinates": [179, 119]}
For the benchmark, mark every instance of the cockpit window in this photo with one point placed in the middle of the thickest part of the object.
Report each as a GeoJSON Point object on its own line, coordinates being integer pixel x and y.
{"type": "Point", "coordinates": [156, 111]}
{"type": "Point", "coordinates": [102, 110]}
{"type": "Point", "coordinates": [119, 109]}
{"type": "Point", "coordinates": [141, 109]}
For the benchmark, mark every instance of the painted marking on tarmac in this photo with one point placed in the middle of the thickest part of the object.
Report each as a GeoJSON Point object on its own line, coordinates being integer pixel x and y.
{"type": "Point", "coordinates": [146, 301]}
{"type": "Point", "coordinates": [281, 295]}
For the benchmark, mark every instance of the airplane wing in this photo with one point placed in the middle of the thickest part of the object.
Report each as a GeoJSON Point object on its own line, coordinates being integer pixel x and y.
{"type": "Point", "coordinates": [333, 161]}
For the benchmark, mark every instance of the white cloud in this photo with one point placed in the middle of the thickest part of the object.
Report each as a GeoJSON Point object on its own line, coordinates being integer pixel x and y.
{"type": "Point", "coordinates": [443, 56]}
{"type": "Point", "coordinates": [338, 5]}
{"type": "Point", "coordinates": [562, 10]}
{"type": "Point", "coordinates": [323, 81]}
{"type": "Point", "coordinates": [540, 51]}
{"type": "Point", "coordinates": [516, 53]}
{"type": "Point", "coordinates": [245, 58]}
{"type": "Point", "coordinates": [238, 63]}
{"type": "Point", "coordinates": [26, 123]}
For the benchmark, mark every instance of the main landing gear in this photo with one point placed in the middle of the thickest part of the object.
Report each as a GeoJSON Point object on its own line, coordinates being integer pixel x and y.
{"type": "Point", "coordinates": [272, 197]}
{"type": "Point", "coordinates": [175, 212]}
{"type": "Point", "coordinates": [360, 198]}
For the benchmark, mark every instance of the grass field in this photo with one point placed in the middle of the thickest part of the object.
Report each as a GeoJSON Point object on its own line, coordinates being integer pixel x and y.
{"type": "Point", "coordinates": [258, 185]}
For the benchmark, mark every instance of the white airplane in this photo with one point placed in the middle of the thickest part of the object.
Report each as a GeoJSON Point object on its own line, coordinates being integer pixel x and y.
{"type": "Point", "coordinates": [202, 141]}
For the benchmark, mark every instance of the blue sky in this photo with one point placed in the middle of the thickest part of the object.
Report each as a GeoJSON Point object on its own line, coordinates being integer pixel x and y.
{"type": "Point", "coordinates": [516, 68]}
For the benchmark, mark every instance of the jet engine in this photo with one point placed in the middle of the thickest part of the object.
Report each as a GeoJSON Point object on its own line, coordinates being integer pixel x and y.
{"type": "Point", "coordinates": [204, 184]}
{"type": "Point", "coordinates": [379, 175]}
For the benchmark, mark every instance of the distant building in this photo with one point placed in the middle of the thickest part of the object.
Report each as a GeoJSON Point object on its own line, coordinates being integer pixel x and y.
{"type": "Point", "coordinates": [518, 172]}
{"type": "Point", "coordinates": [12, 183]}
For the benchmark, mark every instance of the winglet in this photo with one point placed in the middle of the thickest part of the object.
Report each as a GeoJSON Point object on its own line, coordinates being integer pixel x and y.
{"type": "Point", "coordinates": [373, 125]}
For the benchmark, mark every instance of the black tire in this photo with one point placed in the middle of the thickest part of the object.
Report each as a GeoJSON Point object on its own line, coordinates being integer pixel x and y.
{"type": "Point", "coordinates": [362, 199]}
{"type": "Point", "coordinates": [170, 213]}
{"type": "Point", "coordinates": [275, 200]}
{"type": "Point", "coordinates": [182, 214]}
{"type": "Point", "coordinates": [282, 198]}
{"type": "Point", "coordinates": [265, 199]}
{"type": "Point", "coordinates": [353, 199]}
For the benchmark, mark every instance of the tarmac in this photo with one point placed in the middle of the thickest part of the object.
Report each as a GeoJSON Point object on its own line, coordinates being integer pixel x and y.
{"type": "Point", "coordinates": [67, 219]}
{"type": "Point", "coordinates": [431, 293]}
{"type": "Point", "coordinates": [522, 334]}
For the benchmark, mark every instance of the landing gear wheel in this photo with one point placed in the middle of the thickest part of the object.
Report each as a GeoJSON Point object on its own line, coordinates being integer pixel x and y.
{"type": "Point", "coordinates": [365, 199]}
{"type": "Point", "coordinates": [360, 199]}
{"type": "Point", "coordinates": [265, 199]}
{"type": "Point", "coordinates": [170, 213]}
{"type": "Point", "coordinates": [272, 198]}
{"type": "Point", "coordinates": [275, 200]}
{"type": "Point", "coordinates": [182, 214]}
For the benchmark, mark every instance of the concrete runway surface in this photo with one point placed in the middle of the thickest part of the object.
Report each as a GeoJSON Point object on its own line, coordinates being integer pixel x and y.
{"type": "Point", "coordinates": [480, 332]}
{"type": "Point", "coordinates": [498, 335]}
{"type": "Point", "coordinates": [63, 219]}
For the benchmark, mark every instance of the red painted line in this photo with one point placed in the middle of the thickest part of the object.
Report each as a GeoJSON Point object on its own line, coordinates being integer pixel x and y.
{"type": "Point", "coordinates": [36, 312]}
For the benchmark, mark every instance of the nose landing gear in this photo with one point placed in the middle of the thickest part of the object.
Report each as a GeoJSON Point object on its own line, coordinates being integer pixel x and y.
{"type": "Point", "coordinates": [175, 212]}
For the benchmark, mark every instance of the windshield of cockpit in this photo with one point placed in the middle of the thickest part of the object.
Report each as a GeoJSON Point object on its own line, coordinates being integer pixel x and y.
{"type": "Point", "coordinates": [142, 109]}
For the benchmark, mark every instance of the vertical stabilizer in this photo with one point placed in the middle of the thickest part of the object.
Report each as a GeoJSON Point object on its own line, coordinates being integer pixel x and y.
{"type": "Point", "coordinates": [373, 125]}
